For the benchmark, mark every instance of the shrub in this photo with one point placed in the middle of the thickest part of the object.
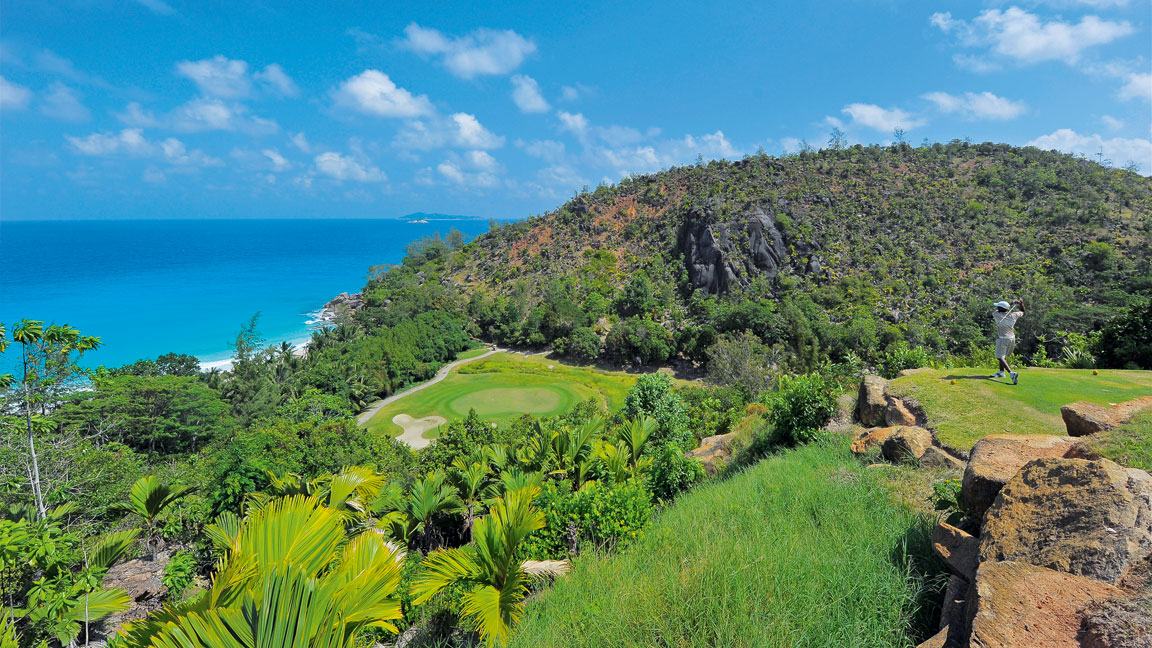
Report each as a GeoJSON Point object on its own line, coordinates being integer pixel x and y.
{"type": "Point", "coordinates": [582, 344]}
{"type": "Point", "coordinates": [653, 396]}
{"type": "Point", "coordinates": [601, 513]}
{"type": "Point", "coordinates": [901, 356]}
{"type": "Point", "coordinates": [672, 473]}
{"type": "Point", "coordinates": [801, 406]}
{"type": "Point", "coordinates": [178, 574]}
{"type": "Point", "coordinates": [1126, 341]}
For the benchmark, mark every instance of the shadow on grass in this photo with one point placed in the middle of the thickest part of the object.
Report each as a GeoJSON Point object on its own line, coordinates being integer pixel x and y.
{"type": "Point", "coordinates": [926, 573]}
{"type": "Point", "coordinates": [959, 377]}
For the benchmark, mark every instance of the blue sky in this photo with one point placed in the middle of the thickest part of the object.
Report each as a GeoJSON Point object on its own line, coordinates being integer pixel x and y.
{"type": "Point", "coordinates": [174, 109]}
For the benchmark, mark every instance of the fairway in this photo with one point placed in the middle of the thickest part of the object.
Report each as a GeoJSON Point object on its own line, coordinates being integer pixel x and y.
{"type": "Point", "coordinates": [505, 386]}
{"type": "Point", "coordinates": [976, 406]}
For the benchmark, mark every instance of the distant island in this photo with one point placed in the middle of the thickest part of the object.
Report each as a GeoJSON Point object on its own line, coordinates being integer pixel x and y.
{"type": "Point", "coordinates": [424, 217]}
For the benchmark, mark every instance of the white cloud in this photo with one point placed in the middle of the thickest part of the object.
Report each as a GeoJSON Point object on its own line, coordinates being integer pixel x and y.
{"type": "Point", "coordinates": [63, 103]}
{"type": "Point", "coordinates": [207, 114]}
{"type": "Point", "coordinates": [157, 7]}
{"type": "Point", "coordinates": [461, 130]}
{"type": "Point", "coordinates": [279, 162]}
{"type": "Point", "coordinates": [1138, 85]}
{"type": "Point", "coordinates": [881, 119]}
{"type": "Point", "coordinates": [1111, 122]}
{"type": "Point", "coordinates": [974, 106]}
{"type": "Point", "coordinates": [526, 95]}
{"type": "Point", "coordinates": [1025, 37]}
{"type": "Point", "coordinates": [371, 92]}
{"type": "Point", "coordinates": [483, 52]}
{"type": "Point", "coordinates": [342, 167]}
{"type": "Point", "coordinates": [547, 150]}
{"type": "Point", "coordinates": [274, 77]}
{"type": "Point", "coordinates": [977, 64]}
{"type": "Point", "coordinates": [301, 142]}
{"type": "Point", "coordinates": [1118, 149]}
{"type": "Point", "coordinates": [130, 142]}
{"type": "Point", "coordinates": [475, 169]}
{"type": "Point", "coordinates": [135, 115]}
{"type": "Point", "coordinates": [13, 96]}
{"type": "Point", "coordinates": [577, 123]}
{"type": "Point", "coordinates": [666, 153]}
{"type": "Point", "coordinates": [218, 76]}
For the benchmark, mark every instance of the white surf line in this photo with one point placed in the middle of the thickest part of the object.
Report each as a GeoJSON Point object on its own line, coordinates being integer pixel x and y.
{"type": "Point", "coordinates": [367, 414]}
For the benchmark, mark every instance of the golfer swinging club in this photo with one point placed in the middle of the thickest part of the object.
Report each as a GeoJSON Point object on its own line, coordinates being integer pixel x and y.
{"type": "Point", "coordinates": [1005, 318]}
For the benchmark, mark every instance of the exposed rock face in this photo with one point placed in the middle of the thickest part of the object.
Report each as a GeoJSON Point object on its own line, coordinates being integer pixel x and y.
{"type": "Point", "coordinates": [873, 438]}
{"type": "Point", "coordinates": [937, 641]}
{"type": "Point", "coordinates": [343, 302]}
{"type": "Point", "coordinates": [997, 457]}
{"type": "Point", "coordinates": [720, 252]}
{"type": "Point", "coordinates": [1083, 419]}
{"type": "Point", "coordinates": [1089, 518]}
{"type": "Point", "coordinates": [934, 457]}
{"type": "Point", "coordinates": [141, 579]}
{"type": "Point", "coordinates": [1017, 605]}
{"type": "Point", "coordinates": [907, 444]}
{"type": "Point", "coordinates": [901, 412]}
{"type": "Point", "coordinates": [870, 404]}
{"type": "Point", "coordinates": [1118, 623]}
{"type": "Point", "coordinates": [959, 550]}
{"type": "Point", "coordinates": [713, 451]}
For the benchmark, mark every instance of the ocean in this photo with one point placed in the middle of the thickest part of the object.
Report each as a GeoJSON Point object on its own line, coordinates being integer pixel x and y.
{"type": "Point", "coordinates": [149, 287]}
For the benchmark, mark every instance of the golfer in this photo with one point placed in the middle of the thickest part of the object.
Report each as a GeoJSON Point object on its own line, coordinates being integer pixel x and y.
{"type": "Point", "coordinates": [1004, 317]}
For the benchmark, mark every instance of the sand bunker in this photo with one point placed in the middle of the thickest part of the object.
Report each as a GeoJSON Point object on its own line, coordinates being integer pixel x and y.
{"type": "Point", "coordinates": [414, 429]}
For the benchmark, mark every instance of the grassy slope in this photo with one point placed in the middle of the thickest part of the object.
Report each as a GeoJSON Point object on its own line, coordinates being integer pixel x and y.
{"type": "Point", "coordinates": [803, 549]}
{"type": "Point", "coordinates": [505, 386]}
{"type": "Point", "coordinates": [975, 406]}
{"type": "Point", "coordinates": [1129, 445]}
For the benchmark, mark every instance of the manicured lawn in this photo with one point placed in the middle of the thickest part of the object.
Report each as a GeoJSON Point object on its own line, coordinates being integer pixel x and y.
{"type": "Point", "coordinates": [505, 386]}
{"type": "Point", "coordinates": [472, 353]}
{"type": "Point", "coordinates": [975, 406]}
{"type": "Point", "coordinates": [803, 549]}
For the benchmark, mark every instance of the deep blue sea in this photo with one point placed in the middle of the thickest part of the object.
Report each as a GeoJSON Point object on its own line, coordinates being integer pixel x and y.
{"type": "Point", "coordinates": [148, 287]}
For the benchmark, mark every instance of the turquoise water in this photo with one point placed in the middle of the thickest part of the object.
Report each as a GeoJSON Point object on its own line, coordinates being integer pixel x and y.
{"type": "Point", "coordinates": [187, 286]}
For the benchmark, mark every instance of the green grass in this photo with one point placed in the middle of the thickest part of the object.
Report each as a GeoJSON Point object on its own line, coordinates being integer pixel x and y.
{"type": "Point", "coordinates": [1128, 445]}
{"type": "Point", "coordinates": [803, 549]}
{"type": "Point", "coordinates": [472, 353]}
{"type": "Point", "coordinates": [975, 406]}
{"type": "Point", "coordinates": [505, 386]}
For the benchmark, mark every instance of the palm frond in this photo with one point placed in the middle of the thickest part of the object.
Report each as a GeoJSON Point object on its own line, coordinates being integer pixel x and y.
{"type": "Point", "coordinates": [111, 548]}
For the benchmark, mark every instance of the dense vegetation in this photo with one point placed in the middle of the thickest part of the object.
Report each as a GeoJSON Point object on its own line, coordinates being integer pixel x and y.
{"type": "Point", "coordinates": [776, 280]}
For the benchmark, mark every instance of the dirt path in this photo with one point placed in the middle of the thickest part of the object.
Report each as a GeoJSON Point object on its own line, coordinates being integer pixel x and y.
{"type": "Point", "coordinates": [367, 414]}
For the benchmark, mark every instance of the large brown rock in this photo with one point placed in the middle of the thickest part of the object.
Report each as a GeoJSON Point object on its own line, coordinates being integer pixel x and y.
{"type": "Point", "coordinates": [937, 640]}
{"type": "Point", "coordinates": [870, 403]}
{"type": "Point", "coordinates": [1017, 605]}
{"type": "Point", "coordinates": [714, 451]}
{"type": "Point", "coordinates": [935, 457]}
{"type": "Point", "coordinates": [952, 608]}
{"type": "Point", "coordinates": [959, 550]}
{"type": "Point", "coordinates": [1088, 518]}
{"type": "Point", "coordinates": [901, 412]}
{"type": "Point", "coordinates": [997, 457]}
{"type": "Point", "coordinates": [1083, 418]}
{"type": "Point", "coordinates": [907, 444]}
{"type": "Point", "coordinates": [872, 438]}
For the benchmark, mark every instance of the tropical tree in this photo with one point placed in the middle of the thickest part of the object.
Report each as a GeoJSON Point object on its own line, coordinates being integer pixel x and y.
{"type": "Point", "coordinates": [49, 370]}
{"type": "Point", "coordinates": [470, 478]}
{"type": "Point", "coordinates": [411, 518]}
{"type": "Point", "coordinates": [496, 580]}
{"type": "Point", "coordinates": [290, 578]}
{"type": "Point", "coordinates": [149, 497]}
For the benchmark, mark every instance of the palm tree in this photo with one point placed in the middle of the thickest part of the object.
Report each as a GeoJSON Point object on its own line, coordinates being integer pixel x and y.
{"type": "Point", "coordinates": [497, 581]}
{"type": "Point", "coordinates": [149, 498]}
{"type": "Point", "coordinates": [633, 437]}
{"type": "Point", "coordinates": [410, 518]}
{"type": "Point", "coordinates": [471, 479]}
{"type": "Point", "coordinates": [290, 578]}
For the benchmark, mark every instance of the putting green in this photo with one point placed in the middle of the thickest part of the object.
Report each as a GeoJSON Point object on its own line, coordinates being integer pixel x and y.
{"type": "Point", "coordinates": [964, 405]}
{"type": "Point", "coordinates": [505, 386]}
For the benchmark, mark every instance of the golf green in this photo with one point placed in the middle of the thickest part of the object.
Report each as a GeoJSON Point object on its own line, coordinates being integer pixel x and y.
{"type": "Point", "coordinates": [505, 386]}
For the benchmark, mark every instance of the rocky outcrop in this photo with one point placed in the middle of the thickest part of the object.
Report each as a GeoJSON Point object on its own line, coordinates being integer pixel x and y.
{"type": "Point", "coordinates": [907, 444]}
{"type": "Point", "coordinates": [721, 251]}
{"type": "Point", "coordinates": [873, 438]}
{"type": "Point", "coordinates": [937, 458]}
{"type": "Point", "coordinates": [342, 303]}
{"type": "Point", "coordinates": [1088, 518]}
{"type": "Point", "coordinates": [900, 411]}
{"type": "Point", "coordinates": [1083, 418]}
{"type": "Point", "coordinates": [1017, 605]}
{"type": "Point", "coordinates": [141, 579]}
{"type": "Point", "coordinates": [714, 452]}
{"type": "Point", "coordinates": [870, 403]}
{"type": "Point", "coordinates": [996, 458]}
{"type": "Point", "coordinates": [958, 549]}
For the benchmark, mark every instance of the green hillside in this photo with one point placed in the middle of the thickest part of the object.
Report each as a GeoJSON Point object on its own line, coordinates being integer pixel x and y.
{"type": "Point", "coordinates": [806, 548]}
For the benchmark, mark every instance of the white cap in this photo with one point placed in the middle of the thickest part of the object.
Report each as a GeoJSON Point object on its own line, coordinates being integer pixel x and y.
{"type": "Point", "coordinates": [1002, 304]}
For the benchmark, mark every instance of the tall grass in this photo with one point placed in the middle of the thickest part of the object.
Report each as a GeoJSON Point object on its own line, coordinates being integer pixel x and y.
{"type": "Point", "coordinates": [803, 549]}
